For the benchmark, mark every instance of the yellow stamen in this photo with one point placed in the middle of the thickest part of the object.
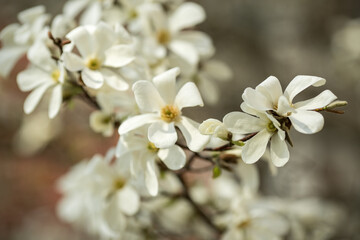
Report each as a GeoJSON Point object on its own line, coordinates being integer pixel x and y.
{"type": "Point", "coordinates": [163, 37]}
{"type": "Point", "coordinates": [271, 127]}
{"type": "Point", "coordinates": [170, 113]}
{"type": "Point", "coordinates": [56, 75]}
{"type": "Point", "coordinates": [93, 64]}
{"type": "Point", "coordinates": [119, 183]}
{"type": "Point", "coordinates": [152, 148]}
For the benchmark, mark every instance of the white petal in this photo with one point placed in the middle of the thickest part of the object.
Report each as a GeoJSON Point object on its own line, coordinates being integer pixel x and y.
{"type": "Point", "coordinates": [114, 80]}
{"type": "Point", "coordinates": [200, 41]}
{"type": "Point", "coordinates": [209, 90]}
{"type": "Point", "coordinates": [185, 50]}
{"type": "Point", "coordinates": [74, 7]}
{"type": "Point", "coordinates": [166, 84]}
{"type": "Point", "coordinates": [162, 134]}
{"type": "Point", "coordinates": [119, 55]}
{"type": "Point", "coordinates": [188, 96]}
{"type": "Point", "coordinates": [151, 180]}
{"type": "Point", "coordinates": [174, 157]}
{"type": "Point", "coordinates": [104, 37]}
{"type": "Point", "coordinates": [40, 55]}
{"type": "Point", "coordinates": [8, 58]}
{"type": "Point", "coordinates": [147, 96]}
{"type": "Point", "coordinates": [29, 15]}
{"type": "Point", "coordinates": [299, 83]}
{"type": "Point", "coordinates": [55, 101]}
{"type": "Point", "coordinates": [307, 122]}
{"type": "Point", "coordinates": [194, 139]}
{"type": "Point", "coordinates": [256, 100]}
{"type": "Point", "coordinates": [92, 79]}
{"type": "Point", "coordinates": [137, 121]}
{"type": "Point", "coordinates": [255, 147]}
{"type": "Point", "coordinates": [270, 88]}
{"type": "Point", "coordinates": [128, 200]}
{"type": "Point", "coordinates": [73, 62]}
{"type": "Point", "coordinates": [186, 15]}
{"type": "Point", "coordinates": [279, 151]}
{"type": "Point", "coordinates": [31, 78]}
{"type": "Point", "coordinates": [242, 123]}
{"type": "Point", "coordinates": [34, 97]}
{"type": "Point", "coordinates": [218, 70]}
{"type": "Point", "coordinates": [83, 40]}
{"type": "Point", "coordinates": [209, 126]}
{"type": "Point", "coordinates": [92, 14]}
{"type": "Point", "coordinates": [319, 101]}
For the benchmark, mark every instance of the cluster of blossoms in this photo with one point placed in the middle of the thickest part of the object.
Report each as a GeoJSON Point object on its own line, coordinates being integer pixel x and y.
{"type": "Point", "coordinates": [140, 63]}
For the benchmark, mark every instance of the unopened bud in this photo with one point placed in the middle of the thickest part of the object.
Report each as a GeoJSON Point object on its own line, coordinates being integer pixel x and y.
{"type": "Point", "coordinates": [336, 104]}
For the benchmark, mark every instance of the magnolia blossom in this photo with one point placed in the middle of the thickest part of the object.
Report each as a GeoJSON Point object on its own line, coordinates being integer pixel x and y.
{"type": "Point", "coordinates": [161, 108]}
{"type": "Point", "coordinates": [269, 96]}
{"type": "Point", "coordinates": [16, 39]}
{"type": "Point", "coordinates": [98, 196]}
{"type": "Point", "coordinates": [44, 74]}
{"type": "Point", "coordinates": [144, 154]}
{"type": "Point", "coordinates": [101, 49]}
{"type": "Point", "coordinates": [165, 32]}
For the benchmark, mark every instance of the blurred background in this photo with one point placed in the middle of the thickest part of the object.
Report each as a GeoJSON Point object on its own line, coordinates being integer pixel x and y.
{"type": "Point", "coordinates": [256, 39]}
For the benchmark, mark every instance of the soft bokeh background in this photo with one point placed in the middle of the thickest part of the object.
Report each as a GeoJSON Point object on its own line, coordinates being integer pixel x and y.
{"type": "Point", "coordinates": [257, 39]}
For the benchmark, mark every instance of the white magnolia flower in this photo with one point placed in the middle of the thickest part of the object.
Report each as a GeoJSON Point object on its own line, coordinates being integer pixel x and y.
{"type": "Point", "coordinates": [247, 220]}
{"type": "Point", "coordinates": [61, 25]}
{"type": "Point", "coordinates": [166, 32]}
{"type": "Point", "coordinates": [265, 129]}
{"type": "Point", "coordinates": [144, 155]}
{"type": "Point", "coordinates": [16, 39]}
{"type": "Point", "coordinates": [161, 108]}
{"type": "Point", "coordinates": [101, 49]}
{"type": "Point", "coordinates": [98, 196]}
{"type": "Point", "coordinates": [268, 96]}
{"type": "Point", "coordinates": [44, 74]}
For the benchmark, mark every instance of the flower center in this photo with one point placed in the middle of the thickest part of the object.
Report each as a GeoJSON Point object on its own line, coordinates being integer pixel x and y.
{"type": "Point", "coordinates": [55, 75]}
{"type": "Point", "coordinates": [133, 14]}
{"type": "Point", "coordinates": [93, 64]}
{"type": "Point", "coordinates": [152, 148]}
{"type": "Point", "coordinates": [244, 224]}
{"type": "Point", "coordinates": [163, 37]}
{"type": "Point", "coordinates": [170, 113]}
{"type": "Point", "coordinates": [271, 127]}
{"type": "Point", "coordinates": [119, 183]}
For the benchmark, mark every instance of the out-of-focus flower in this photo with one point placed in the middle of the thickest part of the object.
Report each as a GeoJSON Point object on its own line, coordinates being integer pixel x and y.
{"type": "Point", "coordinates": [44, 74]}
{"type": "Point", "coordinates": [101, 50]}
{"type": "Point", "coordinates": [17, 39]}
{"type": "Point", "coordinates": [161, 108]}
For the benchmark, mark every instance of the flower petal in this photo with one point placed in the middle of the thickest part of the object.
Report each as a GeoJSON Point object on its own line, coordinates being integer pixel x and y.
{"type": "Point", "coordinates": [186, 15]}
{"type": "Point", "coordinates": [165, 83]}
{"type": "Point", "coordinates": [73, 62]}
{"type": "Point", "coordinates": [119, 56]}
{"type": "Point", "coordinates": [92, 14]}
{"type": "Point", "coordinates": [278, 151]}
{"type": "Point", "coordinates": [255, 147]}
{"type": "Point", "coordinates": [242, 123]}
{"type": "Point", "coordinates": [301, 82]}
{"type": "Point", "coordinates": [151, 180]}
{"type": "Point", "coordinates": [104, 37]}
{"type": "Point", "coordinates": [31, 78]}
{"type": "Point", "coordinates": [209, 90]}
{"type": "Point", "coordinates": [185, 50]}
{"type": "Point", "coordinates": [194, 139]}
{"type": "Point", "coordinates": [137, 121]}
{"type": "Point", "coordinates": [55, 101]}
{"type": "Point", "coordinates": [147, 96]}
{"type": "Point", "coordinates": [319, 101]}
{"type": "Point", "coordinates": [162, 134]}
{"type": "Point", "coordinates": [114, 80]}
{"type": "Point", "coordinates": [92, 79]}
{"type": "Point", "coordinates": [307, 122]}
{"type": "Point", "coordinates": [9, 57]}
{"type": "Point", "coordinates": [201, 42]}
{"type": "Point", "coordinates": [34, 97]}
{"type": "Point", "coordinates": [188, 96]}
{"type": "Point", "coordinates": [270, 88]}
{"type": "Point", "coordinates": [83, 40]}
{"type": "Point", "coordinates": [218, 70]}
{"type": "Point", "coordinates": [173, 157]}
{"type": "Point", "coordinates": [128, 200]}
{"type": "Point", "coordinates": [256, 100]}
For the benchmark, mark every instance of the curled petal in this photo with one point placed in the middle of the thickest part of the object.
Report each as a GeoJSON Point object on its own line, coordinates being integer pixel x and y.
{"type": "Point", "coordinates": [194, 139]}
{"type": "Point", "coordinates": [270, 88]}
{"type": "Point", "coordinates": [173, 157]}
{"type": "Point", "coordinates": [242, 123]}
{"type": "Point", "coordinates": [188, 96]}
{"type": "Point", "coordinates": [137, 121]}
{"type": "Point", "coordinates": [162, 134]}
{"type": "Point", "coordinates": [256, 100]}
{"type": "Point", "coordinates": [255, 147]}
{"type": "Point", "coordinates": [186, 15]}
{"type": "Point", "coordinates": [278, 151]}
{"type": "Point", "coordinates": [321, 100]}
{"type": "Point", "coordinates": [147, 96]}
{"type": "Point", "coordinates": [301, 82]}
{"type": "Point", "coordinates": [307, 122]}
{"type": "Point", "coordinates": [92, 79]}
